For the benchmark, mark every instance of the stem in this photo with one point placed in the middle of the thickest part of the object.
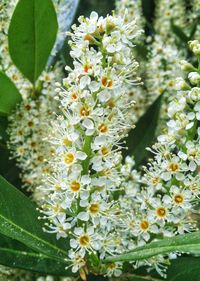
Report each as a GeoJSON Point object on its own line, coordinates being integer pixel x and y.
{"type": "Point", "coordinates": [88, 151]}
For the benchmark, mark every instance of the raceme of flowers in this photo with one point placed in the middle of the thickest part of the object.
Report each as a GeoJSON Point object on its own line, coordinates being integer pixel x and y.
{"type": "Point", "coordinates": [163, 201]}
{"type": "Point", "coordinates": [129, 10]}
{"type": "Point", "coordinates": [165, 54]}
{"type": "Point", "coordinates": [88, 138]}
{"type": "Point", "coordinates": [87, 193]}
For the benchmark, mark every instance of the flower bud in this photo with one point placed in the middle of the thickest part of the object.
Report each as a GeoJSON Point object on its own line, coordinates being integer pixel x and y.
{"type": "Point", "coordinates": [181, 84]}
{"type": "Point", "coordinates": [194, 77]}
{"type": "Point", "coordinates": [186, 66]}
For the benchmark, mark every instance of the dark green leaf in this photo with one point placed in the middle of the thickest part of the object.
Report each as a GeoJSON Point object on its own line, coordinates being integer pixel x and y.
{"type": "Point", "coordinates": [31, 261]}
{"type": "Point", "coordinates": [8, 167]}
{"type": "Point", "coordinates": [19, 220]}
{"type": "Point", "coordinates": [31, 36]}
{"type": "Point", "coordinates": [189, 243]}
{"type": "Point", "coordinates": [3, 128]}
{"type": "Point", "coordinates": [102, 7]}
{"type": "Point", "coordinates": [135, 277]}
{"type": "Point", "coordinates": [184, 269]}
{"type": "Point", "coordinates": [148, 7]}
{"type": "Point", "coordinates": [9, 95]}
{"type": "Point", "coordinates": [179, 32]}
{"type": "Point", "coordinates": [143, 135]}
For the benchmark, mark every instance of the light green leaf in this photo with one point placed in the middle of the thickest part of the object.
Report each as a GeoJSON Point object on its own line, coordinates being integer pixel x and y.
{"type": "Point", "coordinates": [189, 243]}
{"type": "Point", "coordinates": [31, 36]}
{"type": "Point", "coordinates": [19, 220]}
{"type": "Point", "coordinates": [143, 135]}
{"type": "Point", "coordinates": [9, 94]}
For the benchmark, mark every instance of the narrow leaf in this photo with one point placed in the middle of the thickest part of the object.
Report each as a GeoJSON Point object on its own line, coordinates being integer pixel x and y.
{"type": "Point", "coordinates": [189, 243]}
{"type": "Point", "coordinates": [179, 32]}
{"type": "Point", "coordinates": [9, 94]}
{"type": "Point", "coordinates": [143, 135]}
{"type": "Point", "coordinates": [19, 220]}
{"type": "Point", "coordinates": [31, 36]}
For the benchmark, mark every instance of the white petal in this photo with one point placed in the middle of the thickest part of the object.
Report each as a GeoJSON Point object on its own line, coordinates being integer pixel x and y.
{"type": "Point", "coordinates": [73, 243]}
{"type": "Point", "coordinates": [85, 179]}
{"type": "Point", "coordinates": [81, 155]}
{"type": "Point", "coordinates": [87, 123]}
{"type": "Point", "coordinates": [84, 216]}
{"type": "Point", "coordinates": [78, 230]}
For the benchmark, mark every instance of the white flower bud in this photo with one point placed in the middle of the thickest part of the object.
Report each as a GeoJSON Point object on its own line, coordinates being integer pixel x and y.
{"type": "Point", "coordinates": [181, 84]}
{"type": "Point", "coordinates": [194, 77]}
{"type": "Point", "coordinates": [186, 66]}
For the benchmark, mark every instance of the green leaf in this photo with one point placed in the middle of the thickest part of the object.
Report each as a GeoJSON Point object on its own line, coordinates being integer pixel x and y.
{"type": "Point", "coordinates": [189, 243]}
{"type": "Point", "coordinates": [179, 33]}
{"type": "Point", "coordinates": [19, 220]}
{"type": "Point", "coordinates": [184, 269]}
{"type": "Point", "coordinates": [3, 128]}
{"type": "Point", "coordinates": [143, 135]}
{"type": "Point", "coordinates": [135, 277]}
{"type": "Point", "coordinates": [9, 95]}
{"type": "Point", "coordinates": [31, 36]}
{"type": "Point", "coordinates": [148, 7]}
{"type": "Point", "coordinates": [14, 254]}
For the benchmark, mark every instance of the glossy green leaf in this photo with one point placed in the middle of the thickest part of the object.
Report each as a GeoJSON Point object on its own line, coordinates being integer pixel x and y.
{"type": "Point", "coordinates": [3, 127]}
{"type": "Point", "coordinates": [9, 94]}
{"type": "Point", "coordinates": [16, 255]}
{"type": "Point", "coordinates": [189, 243]}
{"type": "Point", "coordinates": [184, 269]}
{"type": "Point", "coordinates": [29, 260]}
{"type": "Point", "coordinates": [31, 36]}
{"type": "Point", "coordinates": [143, 135]}
{"type": "Point", "coordinates": [19, 220]}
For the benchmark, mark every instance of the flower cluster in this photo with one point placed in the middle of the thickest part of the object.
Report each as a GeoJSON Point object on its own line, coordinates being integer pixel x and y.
{"type": "Point", "coordinates": [165, 55]}
{"type": "Point", "coordinates": [27, 130]}
{"type": "Point", "coordinates": [168, 13]}
{"type": "Point", "coordinates": [193, 17]}
{"type": "Point", "coordinates": [164, 199]}
{"type": "Point", "coordinates": [81, 192]}
{"type": "Point", "coordinates": [130, 10]}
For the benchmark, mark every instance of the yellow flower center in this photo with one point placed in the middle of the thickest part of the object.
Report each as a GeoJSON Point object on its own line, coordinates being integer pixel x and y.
{"type": "Point", "coordinates": [144, 225]}
{"type": "Point", "coordinates": [69, 158]}
{"type": "Point", "coordinates": [103, 128]}
{"type": "Point", "coordinates": [94, 208]}
{"type": "Point", "coordinates": [84, 111]}
{"type": "Point", "coordinates": [179, 199]}
{"type": "Point", "coordinates": [161, 212]}
{"type": "Point", "coordinates": [173, 167]}
{"type": "Point", "coordinates": [75, 186]}
{"type": "Point", "coordinates": [106, 82]}
{"type": "Point", "coordinates": [155, 180]}
{"type": "Point", "coordinates": [104, 151]}
{"type": "Point", "coordinates": [67, 142]}
{"type": "Point", "coordinates": [84, 240]}
{"type": "Point", "coordinates": [74, 96]}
